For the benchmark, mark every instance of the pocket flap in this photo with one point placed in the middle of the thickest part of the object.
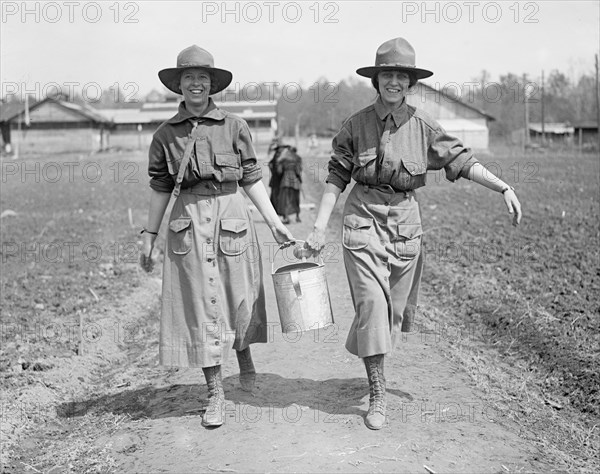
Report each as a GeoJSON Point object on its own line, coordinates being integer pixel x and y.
{"type": "Point", "coordinates": [414, 168]}
{"type": "Point", "coordinates": [357, 222]}
{"type": "Point", "coordinates": [409, 231]}
{"type": "Point", "coordinates": [227, 159]}
{"type": "Point", "coordinates": [235, 225]}
{"type": "Point", "coordinates": [179, 224]}
{"type": "Point", "coordinates": [365, 158]}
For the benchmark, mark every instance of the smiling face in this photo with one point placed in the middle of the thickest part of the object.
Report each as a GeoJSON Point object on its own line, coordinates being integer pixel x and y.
{"type": "Point", "coordinates": [393, 86]}
{"type": "Point", "coordinates": [195, 87]}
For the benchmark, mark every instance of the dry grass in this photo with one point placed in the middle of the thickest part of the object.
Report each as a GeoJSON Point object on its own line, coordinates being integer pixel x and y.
{"type": "Point", "coordinates": [512, 388]}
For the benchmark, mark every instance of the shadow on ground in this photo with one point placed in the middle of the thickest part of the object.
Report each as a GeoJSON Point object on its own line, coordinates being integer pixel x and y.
{"type": "Point", "coordinates": [332, 396]}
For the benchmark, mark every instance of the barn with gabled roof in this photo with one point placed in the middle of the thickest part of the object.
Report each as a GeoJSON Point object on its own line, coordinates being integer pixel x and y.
{"type": "Point", "coordinates": [457, 116]}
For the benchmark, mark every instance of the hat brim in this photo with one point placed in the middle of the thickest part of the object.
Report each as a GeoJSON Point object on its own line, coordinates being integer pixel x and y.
{"type": "Point", "coordinates": [371, 71]}
{"type": "Point", "coordinates": [219, 78]}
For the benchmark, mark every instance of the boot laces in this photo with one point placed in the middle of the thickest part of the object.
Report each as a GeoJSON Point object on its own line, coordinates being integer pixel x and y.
{"type": "Point", "coordinates": [377, 391]}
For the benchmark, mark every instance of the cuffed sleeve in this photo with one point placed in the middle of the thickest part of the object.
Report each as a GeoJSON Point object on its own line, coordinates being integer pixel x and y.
{"type": "Point", "coordinates": [340, 165]}
{"type": "Point", "coordinates": [251, 169]}
{"type": "Point", "coordinates": [449, 153]}
{"type": "Point", "coordinates": [158, 170]}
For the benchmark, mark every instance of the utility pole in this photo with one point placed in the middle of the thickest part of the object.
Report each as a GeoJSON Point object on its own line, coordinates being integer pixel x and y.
{"type": "Point", "coordinates": [526, 103]}
{"type": "Point", "coordinates": [543, 126]}
{"type": "Point", "coordinates": [598, 104]}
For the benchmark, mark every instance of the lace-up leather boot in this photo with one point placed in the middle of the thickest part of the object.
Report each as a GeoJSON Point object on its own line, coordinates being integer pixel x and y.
{"type": "Point", "coordinates": [213, 416]}
{"type": "Point", "coordinates": [375, 418]}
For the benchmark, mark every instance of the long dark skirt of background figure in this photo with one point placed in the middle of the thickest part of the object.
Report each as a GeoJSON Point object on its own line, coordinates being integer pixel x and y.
{"type": "Point", "coordinates": [275, 179]}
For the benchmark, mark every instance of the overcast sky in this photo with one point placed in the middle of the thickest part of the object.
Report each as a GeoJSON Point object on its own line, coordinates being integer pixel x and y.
{"type": "Point", "coordinates": [104, 43]}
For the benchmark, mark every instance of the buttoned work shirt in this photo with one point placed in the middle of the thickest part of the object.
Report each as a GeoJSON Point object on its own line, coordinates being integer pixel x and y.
{"type": "Point", "coordinates": [221, 138]}
{"type": "Point", "coordinates": [416, 144]}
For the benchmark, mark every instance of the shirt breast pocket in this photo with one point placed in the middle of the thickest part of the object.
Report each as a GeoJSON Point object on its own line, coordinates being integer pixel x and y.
{"type": "Point", "coordinates": [414, 167]}
{"type": "Point", "coordinates": [362, 160]}
{"type": "Point", "coordinates": [228, 167]}
{"type": "Point", "coordinates": [203, 158]}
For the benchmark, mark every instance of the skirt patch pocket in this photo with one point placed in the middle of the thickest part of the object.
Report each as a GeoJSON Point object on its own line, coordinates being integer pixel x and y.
{"type": "Point", "coordinates": [408, 244]}
{"type": "Point", "coordinates": [233, 238]}
{"type": "Point", "coordinates": [180, 235]}
{"type": "Point", "coordinates": [356, 231]}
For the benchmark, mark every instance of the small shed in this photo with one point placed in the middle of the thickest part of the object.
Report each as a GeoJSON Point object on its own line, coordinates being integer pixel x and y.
{"type": "Point", "coordinates": [586, 134]}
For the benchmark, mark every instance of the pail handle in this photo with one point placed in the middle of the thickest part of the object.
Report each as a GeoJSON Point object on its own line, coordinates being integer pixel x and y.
{"type": "Point", "coordinates": [320, 257]}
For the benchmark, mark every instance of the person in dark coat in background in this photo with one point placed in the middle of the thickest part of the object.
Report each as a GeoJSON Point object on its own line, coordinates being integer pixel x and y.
{"type": "Point", "coordinates": [276, 148]}
{"type": "Point", "coordinates": [286, 180]}
{"type": "Point", "coordinates": [289, 164]}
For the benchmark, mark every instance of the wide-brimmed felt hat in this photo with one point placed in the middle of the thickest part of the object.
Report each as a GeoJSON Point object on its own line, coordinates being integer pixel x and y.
{"type": "Point", "coordinates": [195, 56]}
{"type": "Point", "coordinates": [398, 54]}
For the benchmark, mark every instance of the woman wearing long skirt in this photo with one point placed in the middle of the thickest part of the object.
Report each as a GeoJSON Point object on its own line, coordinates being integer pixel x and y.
{"type": "Point", "coordinates": [212, 294]}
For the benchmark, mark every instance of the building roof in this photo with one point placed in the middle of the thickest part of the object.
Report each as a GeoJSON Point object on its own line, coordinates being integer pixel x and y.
{"type": "Point", "coordinates": [158, 112]}
{"type": "Point", "coordinates": [461, 125]}
{"type": "Point", "coordinates": [552, 128]}
{"type": "Point", "coordinates": [586, 124]}
{"type": "Point", "coordinates": [457, 100]}
{"type": "Point", "coordinates": [12, 111]}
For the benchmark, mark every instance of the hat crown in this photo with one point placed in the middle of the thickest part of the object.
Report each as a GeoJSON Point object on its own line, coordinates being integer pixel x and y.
{"type": "Point", "coordinates": [195, 56]}
{"type": "Point", "coordinates": [395, 52]}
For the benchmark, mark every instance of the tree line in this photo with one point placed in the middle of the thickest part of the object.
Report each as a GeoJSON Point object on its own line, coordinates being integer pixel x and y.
{"type": "Point", "coordinates": [322, 106]}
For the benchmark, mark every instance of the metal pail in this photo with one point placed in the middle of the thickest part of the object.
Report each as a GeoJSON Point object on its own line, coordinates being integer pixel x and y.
{"type": "Point", "coordinates": [302, 296]}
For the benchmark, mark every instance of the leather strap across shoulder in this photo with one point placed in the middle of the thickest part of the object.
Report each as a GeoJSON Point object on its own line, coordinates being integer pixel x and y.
{"type": "Point", "coordinates": [186, 159]}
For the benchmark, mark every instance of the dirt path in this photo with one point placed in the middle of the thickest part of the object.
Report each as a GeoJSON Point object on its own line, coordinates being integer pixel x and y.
{"type": "Point", "coordinates": [306, 414]}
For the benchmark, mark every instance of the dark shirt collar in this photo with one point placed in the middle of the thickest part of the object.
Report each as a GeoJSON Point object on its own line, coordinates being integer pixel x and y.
{"type": "Point", "coordinates": [399, 115]}
{"type": "Point", "coordinates": [212, 112]}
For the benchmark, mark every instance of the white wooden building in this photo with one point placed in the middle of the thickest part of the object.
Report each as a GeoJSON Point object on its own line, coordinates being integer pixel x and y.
{"type": "Point", "coordinates": [457, 116]}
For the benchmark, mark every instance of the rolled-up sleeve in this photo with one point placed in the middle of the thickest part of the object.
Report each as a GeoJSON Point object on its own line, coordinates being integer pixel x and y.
{"type": "Point", "coordinates": [158, 170]}
{"type": "Point", "coordinates": [449, 153]}
{"type": "Point", "coordinates": [340, 165]}
{"type": "Point", "coordinates": [251, 169]}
